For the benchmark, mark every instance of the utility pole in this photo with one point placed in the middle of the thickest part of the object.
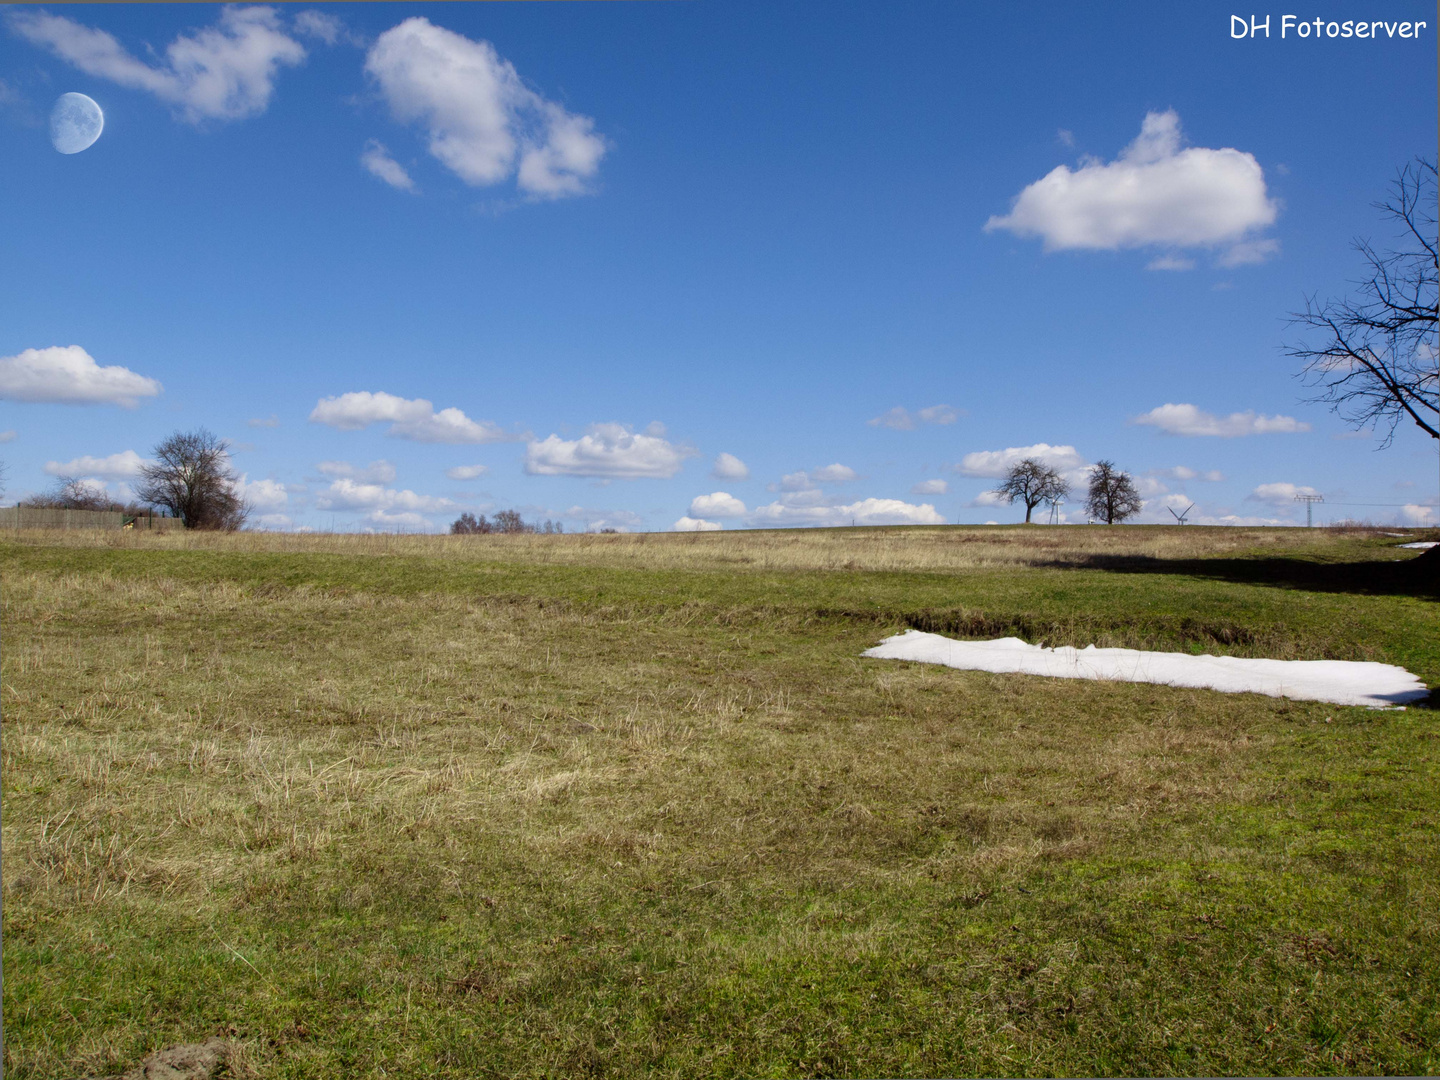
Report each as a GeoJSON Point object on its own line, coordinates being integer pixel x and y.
{"type": "Point", "coordinates": [1309, 501]}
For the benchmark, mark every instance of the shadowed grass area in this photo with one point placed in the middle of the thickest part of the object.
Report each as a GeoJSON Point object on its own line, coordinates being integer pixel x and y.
{"type": "Point", "coordinates": [552, 810]}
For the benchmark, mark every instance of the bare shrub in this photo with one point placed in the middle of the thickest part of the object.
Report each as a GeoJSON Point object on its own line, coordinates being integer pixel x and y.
{"type": "Point", "coordinates": [192, 479]}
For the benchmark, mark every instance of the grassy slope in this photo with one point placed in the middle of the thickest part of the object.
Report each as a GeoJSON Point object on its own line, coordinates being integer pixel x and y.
{"type": "Point", "coordinates": [618, 810]}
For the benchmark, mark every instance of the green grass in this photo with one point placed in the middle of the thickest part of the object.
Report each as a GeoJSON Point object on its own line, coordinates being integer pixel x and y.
{"type": "Point", "coordinates": [640, 808]}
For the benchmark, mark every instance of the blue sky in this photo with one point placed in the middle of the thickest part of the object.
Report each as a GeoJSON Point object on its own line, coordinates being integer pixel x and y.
{"type": "Point", "coordinates": [593, 247]}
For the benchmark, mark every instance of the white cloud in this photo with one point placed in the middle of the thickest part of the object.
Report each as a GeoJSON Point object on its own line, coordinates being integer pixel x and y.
{"type": "Point", "coordinates": [224, 72]}
{"type": "Point", "coordinates": [377, 472]}
{"type": "Point", "coordinates": [379, 163]}
{"type": "Point", "coordinates": [1154, 194]}
{"type": "Point", "coordinates": [323, 27]}
{"type": "Point", "coordinates": [690, 524]}
{"type": "Point", "coordinates": [930, 487]}
{"type": "Point", "coordinates": [864, 512]}
{"type": "Point", "coordinates": [408, 419]}
{"type": "Point", "coordinates": [902, 419]}
{"type": "Point", "coordinates": [606, 450]}
{"type": "Point", "coordinates": [382, 506]}
{"type": "Point", "coordinates": [595, 520]}
{"type": "Point", "coordinates": [802, 480]}
{"type": "Point", "coordinates": [1188, 420]}
{"type": "Point", "coordinates": [271, 421]}
{"type": "Point", "coordinates": [466, 472]}
{"type": "Point", "coordinates": [347, 494]}
{"type": "Point", "coordinates": [1249, 253]}
{"type": "Point", "coordinates": [1416, 514]}
{"type": "Point", "coordinates": [833, 474]}
{"type": "Point", "coordinates": [1065, 137]}
{"type": "Point", "coordinates": [1279, 494]}
{"type": "Point", "coordinates": [720, 504]}
{"type": "Point", "coordinates": [274, 521]}
{"type": "Point", "coordinates": [989, 498]}
{"type": "Point", "coordinates": [263, 494]}
{"type": "Point", "coordinates": [67, 374]}
{"type": "Point", "coordinates": [1183, 473]}
{"type": "Point", "coordinates": [730, 467]}
{"type": "Point", "coordinates": [996, 463]}
{"type": "Point", "coordinates": [121, 466]}
{"type": "Point", "coordinates": [484, 123]}
{"type": "Point", "coordinates": [806, 497]}
{"type": "Point", "coordinates": [7, 436]}
{"type": "Point", "coordinates": [937, 414]}
{"type": "Point", "coordinates": [1171, 262]}
{"type": "Point", "coordinates": [1149, 487]}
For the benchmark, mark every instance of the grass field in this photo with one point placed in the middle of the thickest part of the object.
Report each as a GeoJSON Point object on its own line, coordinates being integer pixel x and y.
{"type": "Point", "coordinates": [635, 806]}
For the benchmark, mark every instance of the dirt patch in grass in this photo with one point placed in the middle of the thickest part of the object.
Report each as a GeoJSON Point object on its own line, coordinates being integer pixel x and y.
{"type": "Point", "coordinates": [187, 1061]}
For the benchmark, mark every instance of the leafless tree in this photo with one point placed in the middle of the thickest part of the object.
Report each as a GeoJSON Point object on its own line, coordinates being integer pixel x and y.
{"type": "Point", "coordinates": [510, 521]}
{"type": "Point", "coordinates": [71, 493]}
{"type": "Point", "coordinates": [1112, 495]}
{"type": "Point", "coordinates": [1376, 359]}
{"type": "Point", "coordinates": [191, 477]}
{"type": "Point", "coordinates": [467, 524]}
{"type": "Point", "coordinates": [74, 493]}
{"type": "Point", "coordinates": [1033, 482]}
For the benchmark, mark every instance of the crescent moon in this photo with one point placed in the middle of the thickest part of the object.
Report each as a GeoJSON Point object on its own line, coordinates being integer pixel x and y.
{"type": "Point", "coordinates": [75, 123]}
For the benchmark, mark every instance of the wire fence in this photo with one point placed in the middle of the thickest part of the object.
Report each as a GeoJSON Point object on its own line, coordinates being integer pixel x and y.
{"type": "Point", "coordinates": [27, 517]}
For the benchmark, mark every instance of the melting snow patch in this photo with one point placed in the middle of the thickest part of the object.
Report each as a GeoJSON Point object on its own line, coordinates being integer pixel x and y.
{"type": "Point", "coordinates": [1422, 544]}
{"type": "Point", "coordinates": [1343, 682]}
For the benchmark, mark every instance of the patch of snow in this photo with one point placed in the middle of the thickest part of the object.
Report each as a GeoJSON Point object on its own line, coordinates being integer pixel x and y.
{"type": "Point", "coordinates": [1343, 682]}
{"type": "Point", "coordinates": [1421, 544]}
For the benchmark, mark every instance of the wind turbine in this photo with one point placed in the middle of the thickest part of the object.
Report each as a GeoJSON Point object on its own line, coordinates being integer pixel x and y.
{"type": "Point", "coordinates": [1181, 517]}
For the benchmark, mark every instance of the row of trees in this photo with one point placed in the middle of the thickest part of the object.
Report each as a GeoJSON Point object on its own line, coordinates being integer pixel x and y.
{"type": "Point", "coordinates": [506, 521]}
{"type": "Point", "coordinates": [1111, 497]}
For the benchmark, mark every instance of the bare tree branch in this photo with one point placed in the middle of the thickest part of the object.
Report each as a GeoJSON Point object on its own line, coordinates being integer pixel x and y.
{"type": "Point", "coordinates": [1378, 358]}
